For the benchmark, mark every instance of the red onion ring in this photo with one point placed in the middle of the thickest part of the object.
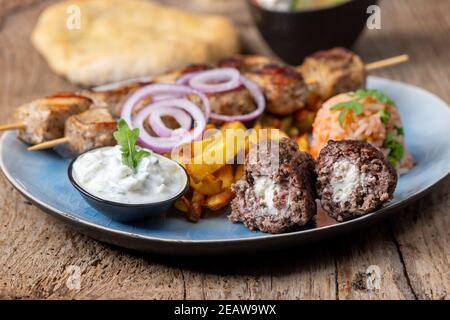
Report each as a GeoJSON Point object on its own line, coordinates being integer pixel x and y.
{"type": "Point", "coordinates": [184, 79]}
{"type": "Point", "coordinates": [155, 121]}
{"type": "Point", "coordinates": [258, 97]}
{"type": "Point", "coordinates": [180, 132]}
{"type": "Point", "coordinates": [155, 90]}
{"type": "Point", "coordinates": [215, 80]}
{"type": "Point", "coordinates": [166, 144]}
{"type": "Point", "coordinates": [197, 80]}
{"type": "Point", "coordinates": [165, 96]}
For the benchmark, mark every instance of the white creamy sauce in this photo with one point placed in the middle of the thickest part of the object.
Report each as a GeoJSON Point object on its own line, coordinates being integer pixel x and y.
{"type": "Point", "coordinates": [102, 173]}
{"type": "Point", "coordinates": [265, 189]}
{"type": "Point", "coordinates": [344, 179]}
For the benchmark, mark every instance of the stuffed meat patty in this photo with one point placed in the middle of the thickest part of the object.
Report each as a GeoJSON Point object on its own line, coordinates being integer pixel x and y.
{"type": "Point", "coordinates": [353, 179]}
{"type": "Point", "coordinates": [278, 195]}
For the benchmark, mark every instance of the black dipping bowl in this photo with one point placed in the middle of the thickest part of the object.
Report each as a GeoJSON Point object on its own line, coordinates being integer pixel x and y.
{"type": "Point", "coordinates": [125, 212]}
{"type": "Point", "coordinates": [294, 35]}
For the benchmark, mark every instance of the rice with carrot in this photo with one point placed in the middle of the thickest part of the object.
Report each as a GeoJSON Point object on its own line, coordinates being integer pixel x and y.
{"type": "Point", "coordinates": [366, 115]}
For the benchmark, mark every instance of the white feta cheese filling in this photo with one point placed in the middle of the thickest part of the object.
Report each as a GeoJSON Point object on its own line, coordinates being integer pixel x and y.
{"type": "Point", "coordinates": [345, 178]}
{"type": "Point", "coordinates": [265, 190]}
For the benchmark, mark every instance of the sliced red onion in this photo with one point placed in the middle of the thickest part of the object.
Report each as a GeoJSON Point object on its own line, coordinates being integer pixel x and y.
{"type": "Point", "coordinates": [184, 79]}
{"type": "Point", "coordinates": [158, 90]}
{"type": "Point", "coordinates": [179, 132]}
{"type": "Point", "coordinates": [158, 126]}
{"type": "Point", "coordinates": [215, 80]}
{"type": "Point", "coordinates": [258, 97]}
{"type": "Point", "coordinates": [165, 96]}
{"type": "Point", "coordinates": [166, 144]}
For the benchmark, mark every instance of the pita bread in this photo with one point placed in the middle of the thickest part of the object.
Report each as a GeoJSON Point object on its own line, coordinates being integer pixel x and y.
{"type": "Point", "coordinates": [122, 39]}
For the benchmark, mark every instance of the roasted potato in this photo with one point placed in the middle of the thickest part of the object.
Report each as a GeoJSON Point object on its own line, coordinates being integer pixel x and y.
{"type": "Point", "coordinates": [239, 171]}
{"type": "Point", "coordinates": [303, 142]}
{"type": "Point", "coordinates": [258, 134]}
{"type": "Point", "coordinates": [197, 202]}
{"type": "Point", "coordinates": [222, 149]}
{"type": "Point", "coordinates": [182, 204]}
{"type": "Point", "coordinates": [219, 200]}
{"type": "Point", "coordinates": [225, 174]}
{"type": "Point", "coordinates": [208, 186]}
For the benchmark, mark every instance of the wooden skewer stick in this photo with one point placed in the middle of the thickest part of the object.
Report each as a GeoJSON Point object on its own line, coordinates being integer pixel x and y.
{"type": "Point", "coordinates": [12, 126]}
{"type": "Point", "coordinates": [387, 62]}
{"type": "Point", "coordinates": [49, 144]}
{"type": "Point", "coordinates": [378, 64]}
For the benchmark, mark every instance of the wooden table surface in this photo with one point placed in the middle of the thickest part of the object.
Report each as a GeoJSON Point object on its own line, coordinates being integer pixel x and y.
{"type": "Point", "coordinates": [411, 250]}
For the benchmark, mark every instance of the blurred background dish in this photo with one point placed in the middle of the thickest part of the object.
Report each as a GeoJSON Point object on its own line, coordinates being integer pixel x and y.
{"type": "Point", "coordinates": [303, 27]}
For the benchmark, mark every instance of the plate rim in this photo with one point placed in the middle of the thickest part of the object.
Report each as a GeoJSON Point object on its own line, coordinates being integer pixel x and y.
{"type": "Point", "coordinates": [79, 222]}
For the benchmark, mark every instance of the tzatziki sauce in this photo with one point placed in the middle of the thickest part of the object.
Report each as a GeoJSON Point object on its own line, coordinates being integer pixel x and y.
{"type": "Point", "coordinates": [102, 173]}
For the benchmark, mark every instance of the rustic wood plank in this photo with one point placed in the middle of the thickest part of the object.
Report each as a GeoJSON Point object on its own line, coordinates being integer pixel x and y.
{"type": "Point", "coordinates": [10, 5]}
{"type": "Point", "coordinates": [368, 257]}
{"type": "Point", "coordinates": [420, 231]}
{"type": "Point", "coordinates": [307, 273]}
{"type": "Point", "coordinates": [411, 249]}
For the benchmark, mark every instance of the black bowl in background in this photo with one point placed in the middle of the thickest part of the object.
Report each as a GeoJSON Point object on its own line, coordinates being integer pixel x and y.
{"type": "Point", "coordinates": [294, 35]}
{"type": "Point", "coordinates": [121, 211]}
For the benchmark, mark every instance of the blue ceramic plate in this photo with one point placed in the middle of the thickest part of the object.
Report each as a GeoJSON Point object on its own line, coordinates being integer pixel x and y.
{"type": "Point", "coordinates": [42, 178]}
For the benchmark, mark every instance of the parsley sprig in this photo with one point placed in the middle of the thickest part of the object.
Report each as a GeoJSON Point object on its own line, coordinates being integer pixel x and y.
{"type": "Point", "coordinates": [356, 106]}
{"type": "Point", "coordinates": [353, 105]}
{"type": "Point", "coordinates": [376, 94]}
{"type": "Point", "coordinates": [127, 139]}
{"type": "Point", "coordinates": [385, 116]}
{"type": "Point", "coordinates": [396, 150]}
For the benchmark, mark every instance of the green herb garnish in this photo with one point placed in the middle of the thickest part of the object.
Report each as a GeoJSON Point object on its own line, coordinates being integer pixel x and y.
{"type": "Point", "coordinates": [352, 105]}
{"type": "Point", "coordinates": [127, 139]}
{"type": "Point", "coordinates": [356, 107]}
{"type": "Point", "coordinates": [380, 96]}
{"type": "Point", "coordinates": [400, 131]}
{"type": "Point", "coordinates": [396, 149]}
{"type": "Point", "coordinates": [385, 116]}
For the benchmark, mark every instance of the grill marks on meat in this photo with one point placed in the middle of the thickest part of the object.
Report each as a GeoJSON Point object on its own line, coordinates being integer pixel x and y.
{"type": "Point", "coordinates": [233, 102]}
{"type": "Point", "coordinates": [353, 179]}
{"type": "Point", "coordinates": [334, 71]}
{"type": "Point", "coordinates": [90, 129]}
{"type": "Point", "coordinates": [44, 118]}
{"type": "Point", "coordinates": [283, 87]}
{"type": "Point", "coordinates": [275, 199]}
{"type": "Point", "coordinates": [113, 99]}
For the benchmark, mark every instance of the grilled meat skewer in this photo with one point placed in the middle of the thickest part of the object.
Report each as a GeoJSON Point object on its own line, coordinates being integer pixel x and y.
{"type": "Point", "coordinates": [85, 131]}
{"type": "Point", "coordinates": [283, 86]}
{"type": "Point", "coordinates": [90, 129]}
{"type": "Point", "coordinates": [334, 71]}
{"type": "Point", "coordinates": [43, 119]}
{"type": "Point", "coordinates": [234, 102]}
{"type": "Point", "coordinates": [327, 73]}
{"type": "Point", "coordinates": [113, 99]}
